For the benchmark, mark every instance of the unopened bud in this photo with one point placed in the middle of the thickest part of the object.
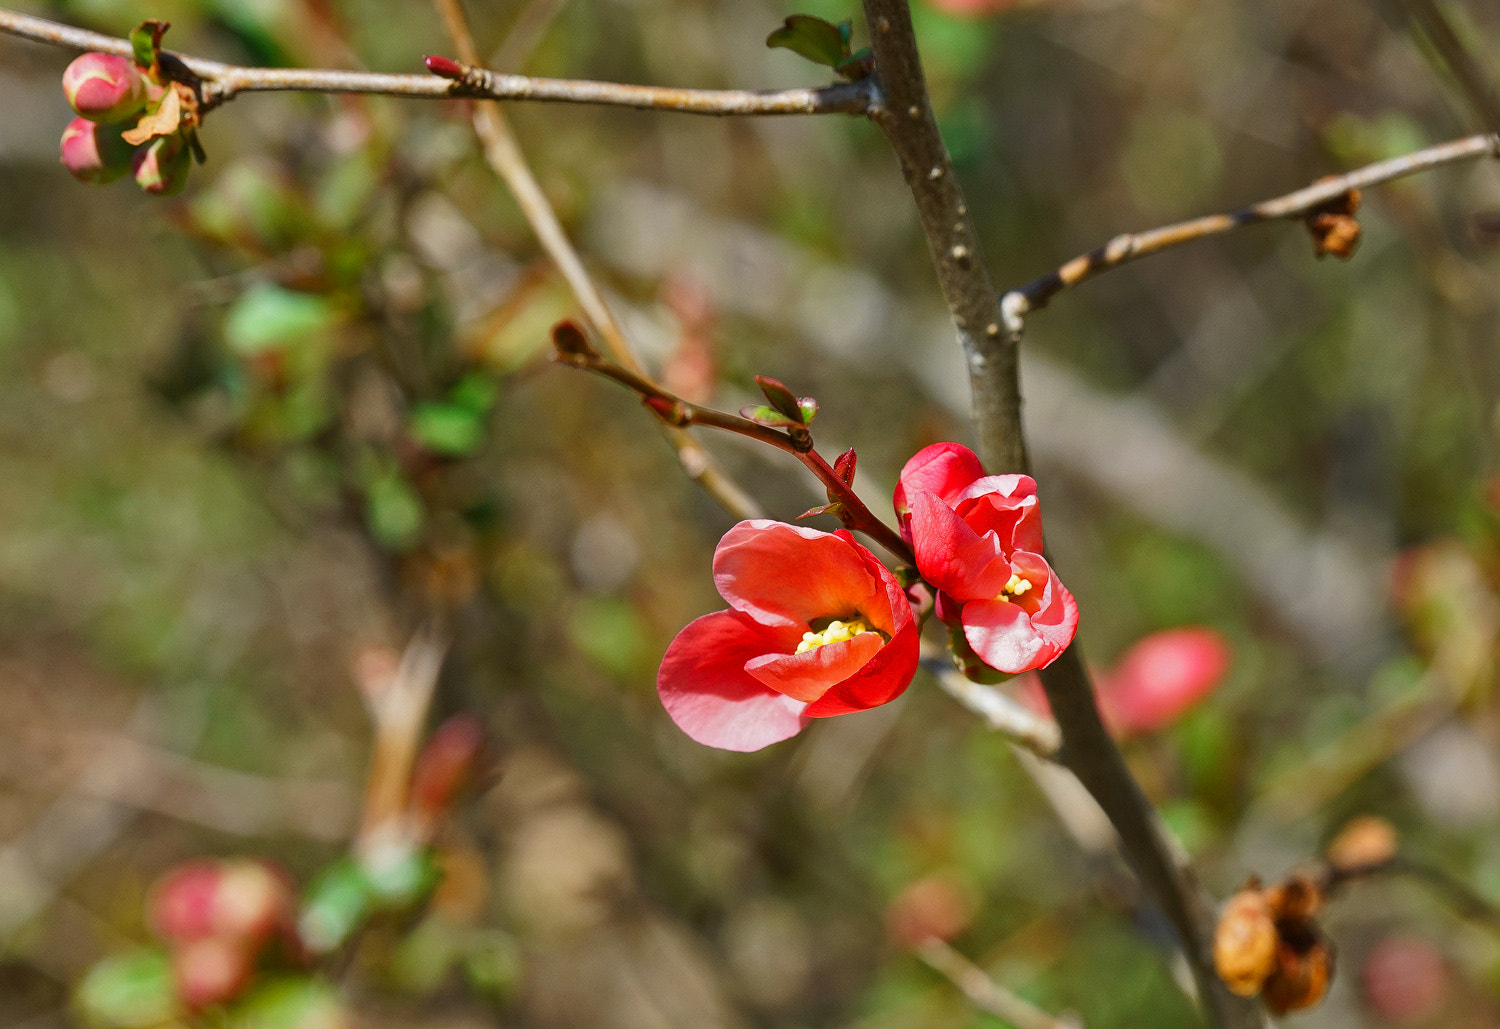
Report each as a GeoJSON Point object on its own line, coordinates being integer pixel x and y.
{"type": "Point", "coordinates": [444, 765]}
{"type": "Point", "coordinates": [1304, 968]}
{"type": "Point", "coordinates": [1245, 942]}
{"type": "Point", "coordinates": [210, 971]}
{"type": "Point", "coordinates": [104, 88]}
{"type": "Point", "coordinates": [1365, 842]}
{"type": "Point", "coordinates": [933, 908]}
{"type": "Point", "coordinates": [243, 899]}
{"type": "Point", "coordinates": [161, 166]}
{"type": "Point", "coordinates": [94, 153]}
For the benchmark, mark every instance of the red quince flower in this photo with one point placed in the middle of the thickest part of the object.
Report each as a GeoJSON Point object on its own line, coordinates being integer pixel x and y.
{"type": "Point", "coordinates": [978, 540]}
{"type": "Point", "coordinates": [816, 627]}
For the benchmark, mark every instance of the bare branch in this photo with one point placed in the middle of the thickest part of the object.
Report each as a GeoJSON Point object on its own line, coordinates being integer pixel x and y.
{"type": "Point", "coordinates": [218, 82]}
{"type": "Point", "coordinates": [984, 992]}
{"type": "Point", "coordinates": [1296, 205]}
{"type": "Point", "coordinates": [1015, 722]}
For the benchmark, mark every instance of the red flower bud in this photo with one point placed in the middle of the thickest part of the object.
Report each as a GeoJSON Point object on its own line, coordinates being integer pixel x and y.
{"type": "Point", "coordinates": [93, 153]}
{"type": "Point", "coordinates": [444, 765]}
{"type": "Point", "coordinates": [933, 908]}
{"type": "Point", "coordinates": [161, 166]}
{"type": "Point", "coordinates": [104, 88]}
{"type": "Point", "coordinates": [816, 627]}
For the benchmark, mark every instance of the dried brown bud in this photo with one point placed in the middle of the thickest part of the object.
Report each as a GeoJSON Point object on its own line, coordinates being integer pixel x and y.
{"type": "Point", "coordinates": [1364, 842]}
{"type": "Point", "coordinates": [1245, 942]}
{"type": "Point", "coordinates": [1296, 901]}
{"type": "Point", "coordinates": [1304, 968]}
{"type": "Point", "coordinates": [1334, 228]}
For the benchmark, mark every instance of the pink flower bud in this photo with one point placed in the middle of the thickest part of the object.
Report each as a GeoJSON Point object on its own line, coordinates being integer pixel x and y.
{"type": "Point", "coordinates": [161, 166]}
{"type": "Point", "coordinates": [94, 153]}
{"type": "Point", "coordinates": [104, 88]}
{"type": "Point", "coordinates": [210, 971]}
{"type": "Point", "coordinates": [242, 899]}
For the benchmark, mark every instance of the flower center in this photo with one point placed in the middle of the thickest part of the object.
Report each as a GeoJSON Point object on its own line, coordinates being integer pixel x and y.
{"type": "Point", "coordinates": [836, 632]}
{"type": "Point", "coordinates": [1013, 589]}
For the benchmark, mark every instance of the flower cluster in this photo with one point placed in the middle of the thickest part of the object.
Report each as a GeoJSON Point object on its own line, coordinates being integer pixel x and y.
{"type": "Point", "coordinates": [128, 122]}
{"type": "Point", "coordinates": [816, 626]}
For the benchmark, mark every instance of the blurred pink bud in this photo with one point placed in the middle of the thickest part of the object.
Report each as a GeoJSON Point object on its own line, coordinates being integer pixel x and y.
{"type": "Point", "coordinates": [104, 88]}
{"type": "Point", "coordinates": [210, 971]}
{"type": "Point", "coordinates": [242, 899]}
{"type": "Point", "coordinates": [1161, 677]}
{"type": "Point", "coordinates": [94, 154]}
{"type": "Point", "coordinates": [932, 908]}
{"type": "Point", "coordinates": [445, 765]}
{"type": "Point", "coordinates": [1405, 979]}
{"type": "Point", "coordinates": [161, 166]}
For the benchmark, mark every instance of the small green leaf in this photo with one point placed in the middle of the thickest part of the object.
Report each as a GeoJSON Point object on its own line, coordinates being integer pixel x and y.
{"type": "Point", "coordinates": [337, 904]}
{"type": "Point", "coordinates": [129, 991]}
{"type": "Point", "coordinates": [448, 428]}
{"type": "Point", "coordinates": [300, 1003]}
{"type": "Point", "coordinates": [833, 509]}
{"type": "Point", "coordinates": [817, 40]}
{"type": "Point", "coordinates": [807, 409]}
{"type": "Point", "coordinates": [763, 415]}
{"type": "Point", "coordinates": [145, 40]}
{"type": "Point", "coordinates": [393, 509]}
{"type": "Point", "coordinates": [269, 317]}
{"type": "Point", "coordinates": [401, 876]}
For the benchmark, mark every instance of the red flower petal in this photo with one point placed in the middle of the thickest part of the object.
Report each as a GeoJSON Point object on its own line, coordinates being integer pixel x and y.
{"type": "Point", "coordinates": [707, 692]}
{"type": "Point", "coordinates": [943, 468]}
{"type": "Point", "coordinates": [1005, 505]}
{"type": "Point", "coordinates": [781, 574]}
{"type": "Point", "coordinates": [951, 556]}
{"type": "Point", "coordinates": [807, 676]}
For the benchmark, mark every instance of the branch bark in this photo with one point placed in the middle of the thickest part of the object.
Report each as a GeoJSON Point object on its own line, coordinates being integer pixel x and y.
{"type": "Point", "coordinates": [1292, 206]}
{"type": "Point", "coordinates": [1087, 749]}
{"type": "Point", "coordinates": [219, 83]}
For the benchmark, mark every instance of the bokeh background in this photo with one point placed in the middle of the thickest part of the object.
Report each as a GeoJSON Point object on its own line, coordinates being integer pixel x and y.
{"type": "Point", "coordinates": [252, 432]}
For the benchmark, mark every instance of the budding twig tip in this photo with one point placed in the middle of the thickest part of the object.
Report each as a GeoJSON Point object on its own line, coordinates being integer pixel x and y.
{"type": "Point", "coordinates": [446, 67]}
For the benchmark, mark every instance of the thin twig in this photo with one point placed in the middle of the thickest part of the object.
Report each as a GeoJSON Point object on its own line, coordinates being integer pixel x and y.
{"type": "Point", "coordinates": [1471, 79]}
{"type": "Point", "coordinates": [1129, 246]}
{"type": "Point", "coordinates": [218, 82]}
{"type": "Point", "coordinates": [984, 992]}
{"type": "Point", "coordinates": [504, 156]}
{"type": "Point", "coordinates": [1087, 750]}
{"type": "Point", "coordinates": [398, 704]}
{"type": "Point", "coordinates": [1013, 720]}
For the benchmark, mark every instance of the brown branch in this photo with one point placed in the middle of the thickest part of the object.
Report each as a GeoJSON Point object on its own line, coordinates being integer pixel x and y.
{"type": "Point", "coordinates": [573, 349]}
{"type": "Point", "coordinates": [1087, 750]}
{"type": "Point", "coordinates": [218, 82]}
{"type": "Point", "coordinates": [1296, 205]}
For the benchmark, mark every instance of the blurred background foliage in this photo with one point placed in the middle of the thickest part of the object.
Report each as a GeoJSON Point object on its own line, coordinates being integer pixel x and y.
{"type": "Point", "coordinates": [254, 431]}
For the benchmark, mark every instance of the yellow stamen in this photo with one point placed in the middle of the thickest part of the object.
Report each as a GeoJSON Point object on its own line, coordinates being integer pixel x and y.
{"type": "Point", "coordinates": [1015, 587]}
{"type": "Point", "coordinates": [837, 632]}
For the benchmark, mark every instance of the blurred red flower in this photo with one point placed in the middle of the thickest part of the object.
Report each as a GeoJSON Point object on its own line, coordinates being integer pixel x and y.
{"type": "Point", "coordinates": [816, 627]}
{"type": "Point", "coordinates": [978, 540]}
{"type": "Point", "coordinates": [1154, 683]}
